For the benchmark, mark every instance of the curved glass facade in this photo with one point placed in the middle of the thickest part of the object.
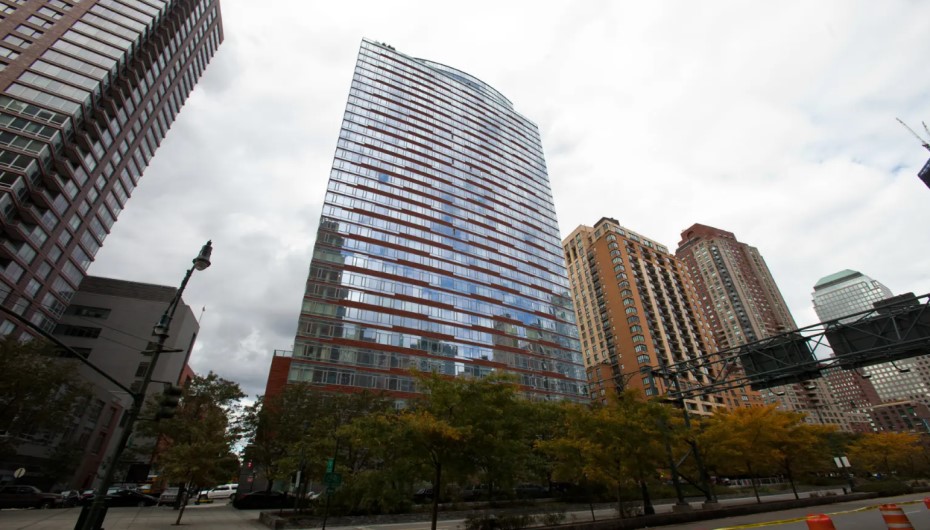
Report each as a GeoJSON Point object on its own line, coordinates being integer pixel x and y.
{"type": "Point", "coordinates": [438, 247]}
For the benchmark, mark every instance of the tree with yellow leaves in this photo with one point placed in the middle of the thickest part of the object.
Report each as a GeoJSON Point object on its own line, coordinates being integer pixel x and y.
{"type": "Point", "coordinates": [616, 445]}
{"type": "Point", "coordinates": [885, 452]}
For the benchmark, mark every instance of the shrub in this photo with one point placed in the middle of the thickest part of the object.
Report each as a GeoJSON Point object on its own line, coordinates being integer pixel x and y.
{"type": "Point", "coordinates": [551, 518]}
{"type": "Point", "coordinates": [884, 487]}
{"type": "Point", "coordinates": [485, 521]}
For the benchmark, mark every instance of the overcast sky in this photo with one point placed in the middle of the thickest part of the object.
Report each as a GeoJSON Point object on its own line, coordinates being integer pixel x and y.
{"type": "Point", "coordinates": [773, 120]}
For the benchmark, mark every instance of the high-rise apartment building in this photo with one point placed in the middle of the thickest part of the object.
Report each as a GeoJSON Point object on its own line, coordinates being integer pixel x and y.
{"type": "Point", "coordinates": [735, 286]}
{"type": "Point", "coordinates": [438, 246]}
{"type": "Point", "coordinates": [743, 304]}
{"type": "Point", "coordinates": [846, 293]}
{"type": "Point", "coordinates": [638, 313]}
{"type": "Point", "coordinates": [88, 90]}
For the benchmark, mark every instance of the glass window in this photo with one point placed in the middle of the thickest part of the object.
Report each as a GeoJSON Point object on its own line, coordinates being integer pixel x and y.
{"type": "Point", "coordinates": [16, 41]}
{"type": "Point", "coordinates": [28, 31]}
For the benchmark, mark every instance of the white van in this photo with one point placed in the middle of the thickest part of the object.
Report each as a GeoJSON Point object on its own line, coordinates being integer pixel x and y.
{"type": "Point", "coordinates": [223, 491]}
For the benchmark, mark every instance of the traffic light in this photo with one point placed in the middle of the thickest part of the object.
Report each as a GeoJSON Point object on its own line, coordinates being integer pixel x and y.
{"type": "Point", "coordinates": [168, 402]}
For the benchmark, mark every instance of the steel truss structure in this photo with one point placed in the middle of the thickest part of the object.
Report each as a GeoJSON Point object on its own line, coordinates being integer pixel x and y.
{"type": "Point", "coordinates": [896, 329]}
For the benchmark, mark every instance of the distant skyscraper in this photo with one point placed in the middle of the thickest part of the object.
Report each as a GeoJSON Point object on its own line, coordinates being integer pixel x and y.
{"type": "Point", "coordinates": [638, 312]}
{"type": "Point", "coordinates": [848, 292]}
{"type": "Point", "coordinates": [438, 247]}
{"type": "Point", "coordinates": [88, 90]}
{"type": "Point", "coordinates": [743, 304]}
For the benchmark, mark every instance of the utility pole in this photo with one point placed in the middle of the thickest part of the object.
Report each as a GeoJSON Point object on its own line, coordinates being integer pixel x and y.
{"type": "Point", "coordinates": [92, 518]}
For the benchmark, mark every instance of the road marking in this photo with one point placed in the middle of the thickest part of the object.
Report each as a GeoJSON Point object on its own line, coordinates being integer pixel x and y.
{"type": "Point", "coordinates": [799, 519]}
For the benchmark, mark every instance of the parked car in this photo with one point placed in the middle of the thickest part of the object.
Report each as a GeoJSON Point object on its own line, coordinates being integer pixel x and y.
{"type": "Point", "coordinates": [263, 500]}
{"type": "Point", "coordinates": [124, 497]}
{"type": "Point", "coordinates": [70, 498]}
{"type": "Point", "coordinates": [27, 497]}
{"type": "Point", "coordinates": [423, 495]}
{"type": "Point", "coordinates": [223, 491]}
{"type": "Point", "coordinates": [481, 492]}
{"type": "Point", "coordinates": [530, 491]}
{"type": "Point", "coordinates": [168, 496]}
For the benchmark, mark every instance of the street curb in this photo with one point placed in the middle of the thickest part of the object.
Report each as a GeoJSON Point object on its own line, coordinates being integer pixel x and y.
{"type": "Point", "coordinates": [666, 519]}
{"type": "Point", "coordinates": [799, 519]}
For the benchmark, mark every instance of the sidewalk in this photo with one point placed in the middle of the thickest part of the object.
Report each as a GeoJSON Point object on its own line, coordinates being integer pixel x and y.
{"type": "Point", "coordinates": [205, 517]}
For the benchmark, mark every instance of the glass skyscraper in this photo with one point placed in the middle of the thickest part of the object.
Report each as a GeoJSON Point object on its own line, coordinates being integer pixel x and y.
{"type": "Point", "coordinates": [88, 90]}
{"type": "Point", "coordinates": [847, 292]}
{"type": "Point", "coordinates": [438, 248]}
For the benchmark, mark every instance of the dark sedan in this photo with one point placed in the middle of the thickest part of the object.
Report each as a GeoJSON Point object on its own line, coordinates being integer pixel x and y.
{"type": "Point", "coordinates": [122, 497]}
{"type": "Point", "coordinates": [13, 496]}
{"type": "Point", "coordinates": [263, 500]}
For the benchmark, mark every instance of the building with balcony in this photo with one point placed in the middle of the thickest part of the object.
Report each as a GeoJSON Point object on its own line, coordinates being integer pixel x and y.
{"type": "Point", "coordinates": [743, 304]}
{"type": "Point", "coordinates": [88, 90]}
{"type": "Point", "coordinates": [638, 314]}
{"type": "Point", "coordinates": [438, 246]}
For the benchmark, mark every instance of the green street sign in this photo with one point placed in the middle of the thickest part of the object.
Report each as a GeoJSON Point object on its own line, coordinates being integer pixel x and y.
{"type": "Point", "coordinates": [332, 479]}
{"type": "Point", "coordinates": [330, 465]}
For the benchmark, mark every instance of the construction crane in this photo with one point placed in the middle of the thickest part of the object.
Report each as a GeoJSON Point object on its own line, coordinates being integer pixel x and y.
{"type": "Point", "coordinates": [924, 173]}
{"type": "Point", "coordinates": [923, 142]}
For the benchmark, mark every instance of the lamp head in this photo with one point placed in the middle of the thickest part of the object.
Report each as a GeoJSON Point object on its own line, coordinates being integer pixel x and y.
{"type": "Point", "coordinates": [202, 261]}
{"type": "Point", "coordinates": [161, 329]}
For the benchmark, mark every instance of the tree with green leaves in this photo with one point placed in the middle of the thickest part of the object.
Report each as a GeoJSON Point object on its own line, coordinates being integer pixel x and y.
{"type": "Point", "coordinates": [197, 442]}
{"type": "Point", "coordinates": [329, 435]}
{"type": "Point", "coordinates": [617, 445]}
{"type": "Point", "coordinates": [303, 427]}
{"type": "Point", "coordinates": [38, 392]}
{"type": "Point", "coordinates": [381, 475]}
{"type": "Point", "coordinates": [545, 420]}
{"type": "Point", "coordinates": [275, 424]}
{"type": "Point", "coordinates": [467, 427]}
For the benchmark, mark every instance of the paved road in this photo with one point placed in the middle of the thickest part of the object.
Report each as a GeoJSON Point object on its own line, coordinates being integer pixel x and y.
{"type": "Point", "coordinates": [203, 517]}
{"type": "Point", "coordinates": [577, 515]}
{"type": "Point", "coordinates": [846, 516]}
{"type": "Point", "coordinates": [855, 515]}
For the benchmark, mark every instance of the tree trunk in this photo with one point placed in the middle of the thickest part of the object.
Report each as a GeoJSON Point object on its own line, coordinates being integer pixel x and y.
{"type": "Point", "coordinates": [752, 480]}
{"type": "Point", "coordinates": [436, 489]}
{"type": "Point", "coordinates": [790, 476]}
{"type": "Point", "coordinates": [620, 500]}
{"type": "Point", "coordinates": [184, 498]}
{"type": "Point", "coordinates": [587, 492]}
{"type": "Point", "coordinates": [648, 508]}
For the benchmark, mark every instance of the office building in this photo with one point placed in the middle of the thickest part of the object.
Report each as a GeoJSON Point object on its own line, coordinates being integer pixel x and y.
{"type": "Point", "coordinates": [743, 304]}
{"type": "Point", "coordinates": [88, 90]}
{"type": "Point", "coordinates": [638, 313]}
{"type": "Point", "coordinates": [438, 246]}
{"type": "Point", "coordinates": [840, 297]}
{"type": "Point", "coordinates": [109, 322]}
{"type": "Point", "coordinates": [901, 416]}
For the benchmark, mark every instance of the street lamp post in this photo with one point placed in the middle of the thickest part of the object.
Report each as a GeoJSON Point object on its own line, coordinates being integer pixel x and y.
{"type": "Point", "coordinates": [93, 518]}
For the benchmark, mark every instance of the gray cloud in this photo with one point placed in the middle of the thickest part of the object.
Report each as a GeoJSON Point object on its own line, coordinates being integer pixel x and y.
{"type": "Point", "coordinates": [774, 122]}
